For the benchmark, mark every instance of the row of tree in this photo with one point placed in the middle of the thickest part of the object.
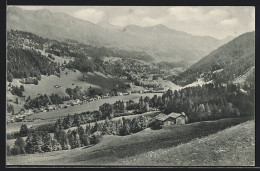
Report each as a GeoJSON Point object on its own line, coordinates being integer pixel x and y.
{"type": "Point", "coordinates": [44, 100]}
{"type": "Point", "coordinates": [42, 141]}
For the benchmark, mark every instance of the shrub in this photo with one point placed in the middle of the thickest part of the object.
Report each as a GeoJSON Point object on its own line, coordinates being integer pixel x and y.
{"type": "Point", "coordinates": [15, 150]}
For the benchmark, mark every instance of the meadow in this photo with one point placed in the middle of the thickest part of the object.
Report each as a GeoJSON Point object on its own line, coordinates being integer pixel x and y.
{"type": "Point", "coordinates": [51, 116]}
{"type": "Point", "coordinates": [115, 150]}
{"type": "Point", "coordinates": [71, 79]}
{"type": "Point", "coordinates": [234, 146]}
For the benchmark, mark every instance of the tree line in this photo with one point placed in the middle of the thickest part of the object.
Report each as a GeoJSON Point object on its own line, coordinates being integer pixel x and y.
{"type": "Point", "coordinates": [210, 101]}
{"type": "Point", "coordinates": [42, 141]}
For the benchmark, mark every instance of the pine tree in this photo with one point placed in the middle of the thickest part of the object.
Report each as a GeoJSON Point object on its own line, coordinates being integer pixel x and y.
{"type": "Point", "coordinates": [47, 139]}
{"type": "Point", "coordinates": [36, 143]}
{"type": "Point", "coordinates": [201, 112]}
{"type": "Point", "coordinates": [20, 144]}
{"type": "Point", "coordinates": [82, 136]}
{"type": "Point", "coordinates": [23, 130]}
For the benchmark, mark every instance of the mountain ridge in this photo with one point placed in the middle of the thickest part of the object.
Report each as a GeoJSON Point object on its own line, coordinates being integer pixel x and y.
{"type": "Point", "coordinates": [163, 43]}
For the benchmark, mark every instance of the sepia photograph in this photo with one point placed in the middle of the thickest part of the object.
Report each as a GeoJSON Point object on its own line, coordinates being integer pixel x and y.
{"type": "Point", "coordinates": [130, 86]}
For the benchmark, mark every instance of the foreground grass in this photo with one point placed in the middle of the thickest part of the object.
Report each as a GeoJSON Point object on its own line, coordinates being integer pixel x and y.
{"type": "Point", "coordinates": [115, 148]}
{"type": "Point", "coordinates": [231, 147]}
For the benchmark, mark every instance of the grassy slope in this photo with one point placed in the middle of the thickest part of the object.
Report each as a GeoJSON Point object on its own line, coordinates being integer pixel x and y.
{"type": "Point", "coordinates": [47, 83]}
{"type": "Point", "coordinates": [232, 147]}
{"type": "Point", "coordinates": [114, 148]}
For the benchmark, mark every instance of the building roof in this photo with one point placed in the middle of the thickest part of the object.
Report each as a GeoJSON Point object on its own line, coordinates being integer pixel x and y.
{"type": "Point", "coordinates": [163, 117]}
{"type": "Point", "coordinates": [176, 115]}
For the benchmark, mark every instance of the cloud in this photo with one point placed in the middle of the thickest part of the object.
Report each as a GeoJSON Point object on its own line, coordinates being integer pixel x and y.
{"type": "Point", "coordinates": [233, 22]}
{"type": "Point", "coordinates": [197, 13]}
{"type": "Point", "coordinates": [220, 13]}
{"type": "Point", "coordinates": [185, 13]}
{"type": "Point", "coordinates": [89, 14]}
{"type": "Point", "coordinates": [216, 21]}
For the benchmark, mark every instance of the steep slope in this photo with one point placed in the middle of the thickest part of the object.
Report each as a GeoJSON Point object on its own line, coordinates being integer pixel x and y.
{"type": "Point", "coordinates": [223, 64]}
{"type": "Point", "coordinates": [163, 43]}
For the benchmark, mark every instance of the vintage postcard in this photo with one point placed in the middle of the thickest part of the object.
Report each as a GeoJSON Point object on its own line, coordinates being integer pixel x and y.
{"type": "Point", "coordinates": [130, 86]}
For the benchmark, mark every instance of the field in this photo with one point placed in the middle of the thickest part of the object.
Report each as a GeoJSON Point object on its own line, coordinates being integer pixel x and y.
{"type": "Point", "coordinates": [116, 150]}
{"type": "Point", "coordinates": [232, 147]}
{"type": "Point", "coordinates": [71, 79]}
{"type": "Point", "coordinates": [46, 117]}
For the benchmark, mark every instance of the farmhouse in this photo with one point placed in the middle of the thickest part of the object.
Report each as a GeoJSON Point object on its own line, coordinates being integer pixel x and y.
{"type": "Point", "coordinates": [173, 118]}
{"type": "Point", "coordinates": [119, 94]}
{"type": "Point", "coordinates": [62, 106]}
{"type": "Point", "coordinates": [51, 107]}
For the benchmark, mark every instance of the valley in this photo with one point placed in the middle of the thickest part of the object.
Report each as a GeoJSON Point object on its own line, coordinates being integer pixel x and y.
{"type": "Point", "coordinates": [96, 94]}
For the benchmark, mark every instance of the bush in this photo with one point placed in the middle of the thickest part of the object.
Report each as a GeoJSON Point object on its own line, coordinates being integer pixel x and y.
{"type": "Point", "coordinates": [96, 137]}
{"type": "Point", "coordinates": [15, 150]}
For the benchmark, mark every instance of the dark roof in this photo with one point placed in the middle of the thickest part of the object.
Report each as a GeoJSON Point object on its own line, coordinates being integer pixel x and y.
{"type": "Point", "coordinates": [163, 117]}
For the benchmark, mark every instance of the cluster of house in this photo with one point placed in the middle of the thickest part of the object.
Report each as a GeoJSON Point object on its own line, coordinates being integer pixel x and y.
{"type": "Point", "coordinates": [123, 94]}
{"type": "Point", "coordinates": [20, 116]}
{"type": "Point", "coordinates": [174, 118]}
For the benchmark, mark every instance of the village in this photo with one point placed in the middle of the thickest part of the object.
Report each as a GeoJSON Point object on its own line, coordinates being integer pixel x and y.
{"type": "Point", "coordinates": [21, 116]}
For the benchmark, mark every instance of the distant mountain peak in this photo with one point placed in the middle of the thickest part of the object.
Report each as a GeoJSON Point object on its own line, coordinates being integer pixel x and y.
{"type": "Point", "coordinates": [159, 40]}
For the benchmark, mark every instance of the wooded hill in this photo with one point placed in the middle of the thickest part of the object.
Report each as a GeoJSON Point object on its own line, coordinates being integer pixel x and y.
{"type": "Point", "coordinates": [223, 64]}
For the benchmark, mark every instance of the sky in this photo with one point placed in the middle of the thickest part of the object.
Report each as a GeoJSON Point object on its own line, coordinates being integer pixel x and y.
{"type": "Point", "coordinates": [215, 21]}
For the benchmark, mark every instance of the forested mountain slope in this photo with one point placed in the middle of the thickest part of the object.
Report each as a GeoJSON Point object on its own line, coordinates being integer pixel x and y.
{"type": "Point", "coordinates": [223, 64]}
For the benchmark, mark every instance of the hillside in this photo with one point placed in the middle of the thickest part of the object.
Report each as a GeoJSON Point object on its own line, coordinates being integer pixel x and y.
{"type": "Point", "coordinates": [159, 40]}
{"type": "Point", "coordinates": [234, 146]}
{"type": "Point", "coordinates": [113, 149]}
{"type": "Point", "coordinates": [223, 64]}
